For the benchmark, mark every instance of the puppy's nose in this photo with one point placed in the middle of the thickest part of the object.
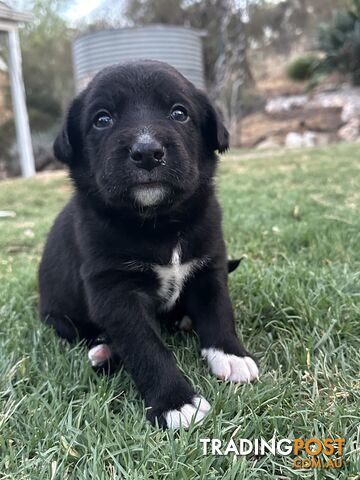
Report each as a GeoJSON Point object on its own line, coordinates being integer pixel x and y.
{"type": "Point", "coordinates": [148, 155]}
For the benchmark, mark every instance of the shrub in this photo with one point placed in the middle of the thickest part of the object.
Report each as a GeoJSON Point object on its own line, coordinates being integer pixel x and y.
{"type": "Point", "coordinates": [340, 40]}
{"type": "Point", "coordinates": [42, 143]}
{"type": "Point", "coordinates": [7, 137]}
{"type": "Point", "coordinates": [303, 68]}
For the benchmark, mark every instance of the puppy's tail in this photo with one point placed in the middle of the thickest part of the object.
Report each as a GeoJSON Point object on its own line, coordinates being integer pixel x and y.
{"type": "Point", "coordinates": [233, 264]}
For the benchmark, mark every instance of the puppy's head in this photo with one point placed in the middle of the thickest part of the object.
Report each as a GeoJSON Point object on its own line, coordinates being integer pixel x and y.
{"type": "Point", "coordinates": [141, 136]}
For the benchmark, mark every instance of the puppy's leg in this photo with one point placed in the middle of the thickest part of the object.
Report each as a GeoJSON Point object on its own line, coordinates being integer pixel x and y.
{"type": "Point", "coordinates": [70, 329]}
{"type": "Point", "coordinates": [209, 306]}
{"type": "Point", "coordinates": [64, 326]}
{"type": "Point", "coordinates": [176, 319]}
{"type": "Point", "coordinates": [127, 317]}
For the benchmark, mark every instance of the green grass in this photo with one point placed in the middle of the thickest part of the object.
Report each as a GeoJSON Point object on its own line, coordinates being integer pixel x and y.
{"type": "Point", "coordinates": [295, 215]}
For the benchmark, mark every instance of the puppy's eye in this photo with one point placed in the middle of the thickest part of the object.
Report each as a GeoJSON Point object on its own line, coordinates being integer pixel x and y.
{"type": "Point", "coordinates": [103, 120]}
{"type": "Point", "coordinates": [179, 113]}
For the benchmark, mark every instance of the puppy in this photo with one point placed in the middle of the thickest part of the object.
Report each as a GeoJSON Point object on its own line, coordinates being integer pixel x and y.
{"type": "Point", "coordinates": [141, 237]}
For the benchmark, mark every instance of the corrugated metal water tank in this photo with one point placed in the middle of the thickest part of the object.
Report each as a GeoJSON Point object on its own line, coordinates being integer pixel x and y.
{"type": "Point", "coordinates": [179, 46]}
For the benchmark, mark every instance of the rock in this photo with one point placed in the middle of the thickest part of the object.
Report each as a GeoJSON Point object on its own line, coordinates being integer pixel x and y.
{"type": "Point", "coordinates": [323, 119]}
{"type": "Point", "coordinates": [269, 143]}
{"type": "Point", "coordinates": [304, 120]}
{"type": "Point", "coordinates": [323, 139]}
{"type": "Point", "coordinates": [284, 104]}
{"type": "Point", "coordinates": [294, 140]}
{"type": "Point", "coordinates": [258, 127]}
{"type": "Point", "coordinates": [351, 131]}
{"type": "Point", "coordinates": [307, 139]}
{"type": "Point", "coordinates": [327, 100]}
{"type": "Point", "coordinates": [351, 110]}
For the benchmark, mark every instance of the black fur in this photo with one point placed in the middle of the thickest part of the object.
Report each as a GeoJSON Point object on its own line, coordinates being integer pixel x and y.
{"type": "Point", "coordinates": [96, 274]}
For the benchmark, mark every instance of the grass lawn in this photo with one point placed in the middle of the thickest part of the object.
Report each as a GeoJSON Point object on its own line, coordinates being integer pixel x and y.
{"type": "Point", "coordinates": [296, 217]}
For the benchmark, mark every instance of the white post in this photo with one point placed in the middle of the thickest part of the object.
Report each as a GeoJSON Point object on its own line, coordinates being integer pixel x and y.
{"type": "Point", "coordinates": [20, 111]}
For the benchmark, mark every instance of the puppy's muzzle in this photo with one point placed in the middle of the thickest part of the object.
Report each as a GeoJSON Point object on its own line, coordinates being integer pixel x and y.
{"type": "Point", "coordinates": [148, 155]}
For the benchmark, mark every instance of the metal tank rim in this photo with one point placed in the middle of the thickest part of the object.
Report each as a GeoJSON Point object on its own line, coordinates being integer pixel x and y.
{"type": "Point", "coordinates": [196, 31]}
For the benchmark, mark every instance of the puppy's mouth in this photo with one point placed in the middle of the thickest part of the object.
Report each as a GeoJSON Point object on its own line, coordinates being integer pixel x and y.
{"type": "Point", "coordinates": [149, 194]}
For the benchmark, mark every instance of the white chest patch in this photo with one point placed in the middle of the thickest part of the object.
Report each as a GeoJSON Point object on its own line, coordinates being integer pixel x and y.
{"type": "Point", "coordinates": [173, 276]}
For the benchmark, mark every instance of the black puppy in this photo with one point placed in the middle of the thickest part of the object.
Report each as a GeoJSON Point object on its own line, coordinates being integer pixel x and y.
{"type": "Point", "coordinates": [142, 234]}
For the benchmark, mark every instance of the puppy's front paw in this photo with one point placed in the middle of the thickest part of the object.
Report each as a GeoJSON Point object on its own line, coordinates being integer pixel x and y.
{"type": "Point", "coordinates": [99, 354]}
{"type": "Point", "coordinates": [188, 413]}
{"type": "Point", "coordinates": [231, 367]}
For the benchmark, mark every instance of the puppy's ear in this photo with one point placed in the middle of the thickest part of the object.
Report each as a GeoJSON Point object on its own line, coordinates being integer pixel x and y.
{"type": "Point", "coordinates": [214, 129]}
{"type": "Point", "coordinates": [62, 148]}
{"type": "Point", "coordinates": [68, 143]}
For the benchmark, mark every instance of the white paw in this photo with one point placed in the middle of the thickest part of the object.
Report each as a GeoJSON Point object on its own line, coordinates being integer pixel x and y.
{"type": "Point", "coordinates": [231, 367]}
{"type": "Point", "coordinates": [99, 354]}
{"type": "Point", "coordinates": [190, 412]}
